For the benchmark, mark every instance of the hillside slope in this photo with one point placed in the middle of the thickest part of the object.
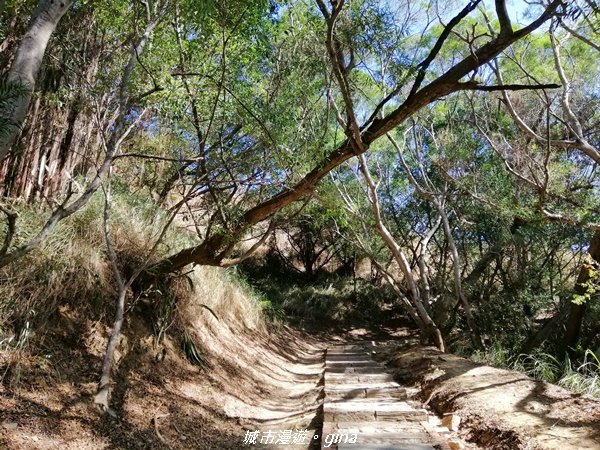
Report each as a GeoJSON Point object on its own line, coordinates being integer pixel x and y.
{"type": "Point", "coordinates": [254, 376]}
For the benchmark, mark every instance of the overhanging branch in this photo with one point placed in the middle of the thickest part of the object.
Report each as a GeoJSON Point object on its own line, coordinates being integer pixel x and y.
{"type": "Point", "coordinates": [506, 87]}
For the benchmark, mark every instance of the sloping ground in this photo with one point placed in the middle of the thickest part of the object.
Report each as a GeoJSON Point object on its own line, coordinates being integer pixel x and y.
{"type": "Point", "coordinates": [256, 380]}
{"type": "Point", "coordinates": [500, 409]}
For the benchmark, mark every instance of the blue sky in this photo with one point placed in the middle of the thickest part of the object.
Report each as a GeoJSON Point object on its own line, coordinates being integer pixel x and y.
{"type": "Point", "coordinates": [516, 8]}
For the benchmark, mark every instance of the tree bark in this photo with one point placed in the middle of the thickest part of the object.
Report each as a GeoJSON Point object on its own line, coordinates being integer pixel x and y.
{"type": "Point", "coordinates": [460, 294]}
{"type": "Point", "coordinates": [102, 396]}
{"type": "Point", "coordinates": [577, 310]}
{"type": "Point", "coordinates": [26, 66]}
{"type": "Point", "coordinates": [432, 330]}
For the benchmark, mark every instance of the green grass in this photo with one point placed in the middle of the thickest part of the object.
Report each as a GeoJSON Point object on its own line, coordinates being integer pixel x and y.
{"type": "Point", "coordinates": [580, 378]}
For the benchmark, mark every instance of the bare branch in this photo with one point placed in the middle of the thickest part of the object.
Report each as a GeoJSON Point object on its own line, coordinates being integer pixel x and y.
{"type": "Point", "coordinates": [424, 65]}
{"type": "Point", "coordinates": [579, 36]}
{"type": "Point", "coordinates": [251, 250]}
{"type": "Point", "coordinates": [475, 86]}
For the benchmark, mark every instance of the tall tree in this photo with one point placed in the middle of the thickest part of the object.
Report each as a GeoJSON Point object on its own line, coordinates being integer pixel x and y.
{"type": "Point", "coordinates": [26, 65]}
{"type": "Point", "coordinates": [216, 247]}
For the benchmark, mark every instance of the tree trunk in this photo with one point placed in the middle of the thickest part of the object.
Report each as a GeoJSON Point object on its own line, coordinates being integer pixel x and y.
{"type": "Point", "coordinates": [102, 396]}
{"type": "Point", "coordinates": [475, 335]}
{"type": "Point", "coordinates": [577, 310]}
{"type": "Point", "coordinates": [26, 66]}
{"type": "Point", "coordinates": [432, 330]}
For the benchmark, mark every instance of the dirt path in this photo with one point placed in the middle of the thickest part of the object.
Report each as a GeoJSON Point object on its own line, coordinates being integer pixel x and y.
{"type": "Point", "coordinates": [274, 387]}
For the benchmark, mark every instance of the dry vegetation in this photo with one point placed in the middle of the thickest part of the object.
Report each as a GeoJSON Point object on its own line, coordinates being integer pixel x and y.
{"type": "Point", "coordinates": [240, 369]}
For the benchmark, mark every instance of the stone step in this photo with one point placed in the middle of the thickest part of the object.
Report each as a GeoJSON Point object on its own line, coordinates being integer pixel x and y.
{"type": "Point", "coordinates": [365, 346]}
{"type": "Point", "coordinates": [365, 385]}
{"type": "Point", "coordinates": [349, 355]}
{"type": "Point", "coordinates": [373, 369]}
{"type": "Point", "coordinates": [364, 408]}
{"type": "Point", "coordinates": [398, 437]}
{"type": "Point", "coordinates": [369, 427]}
{"type": "Point", "coordinates": [353, 363]}
{"type": "Point", "coordinates": [343, 378]}
{"type": "Point", "coordinates": [386, 447]}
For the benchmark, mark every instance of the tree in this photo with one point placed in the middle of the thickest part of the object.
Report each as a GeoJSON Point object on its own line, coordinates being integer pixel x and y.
{"type": "Point", "coordinates": [26, 65]}
{"type": "Point", "coordinates": [358, 137]}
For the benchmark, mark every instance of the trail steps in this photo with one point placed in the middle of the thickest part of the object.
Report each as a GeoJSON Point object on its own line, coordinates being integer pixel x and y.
{"type": "Point", "coordinates": [363, 400]}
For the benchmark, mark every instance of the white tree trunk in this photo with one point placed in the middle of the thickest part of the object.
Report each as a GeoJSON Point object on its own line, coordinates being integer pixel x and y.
{"type": "Point", "coordinates": [26, 66]}
{"type": "Point", "coordinates": [433, 330]}
{"type": "Point", "coordinates": [460, 295]}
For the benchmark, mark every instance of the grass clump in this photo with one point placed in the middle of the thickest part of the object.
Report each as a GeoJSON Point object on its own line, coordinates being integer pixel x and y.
{"type": "Point", "coordinates": [70, 275]}
{"type": "Point", "coordinates": [580, 378]}
{"type": "Point", "coordinates": [495, 355]}
{"type": "Point", "coordinates": [583, 379]}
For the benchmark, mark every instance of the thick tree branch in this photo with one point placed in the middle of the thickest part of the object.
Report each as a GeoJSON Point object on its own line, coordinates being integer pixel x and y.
{"type": "Point", "coordinates": [503, 18]}
{"type": "Point", "coordinates": [447, 83]}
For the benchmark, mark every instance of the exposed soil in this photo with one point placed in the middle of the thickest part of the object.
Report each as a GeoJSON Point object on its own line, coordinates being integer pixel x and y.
{"type": "Point", "coordinates": [500, 409]}
{"type": "Point", "coordinates": [255, 380]}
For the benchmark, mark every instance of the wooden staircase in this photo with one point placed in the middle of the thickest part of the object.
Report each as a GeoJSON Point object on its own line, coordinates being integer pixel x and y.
{"type": "Point", "coordinates": [364, 408]}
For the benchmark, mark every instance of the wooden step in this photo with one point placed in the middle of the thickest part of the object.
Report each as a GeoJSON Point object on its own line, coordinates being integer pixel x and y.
{"type": "Point", "coordinates": [372, 409]}
{"type": "Point", "coordinates": [349, 391]}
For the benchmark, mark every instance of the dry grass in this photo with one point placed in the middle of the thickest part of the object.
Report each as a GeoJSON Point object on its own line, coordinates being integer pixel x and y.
{"type": "Point", "coordinates": [231, 300]}
{"type": "Point", "coordinates": [70, 271]}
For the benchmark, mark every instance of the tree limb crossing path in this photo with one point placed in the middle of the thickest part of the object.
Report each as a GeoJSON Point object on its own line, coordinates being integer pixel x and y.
{"type": "Point", "coordinates": [365, 408]}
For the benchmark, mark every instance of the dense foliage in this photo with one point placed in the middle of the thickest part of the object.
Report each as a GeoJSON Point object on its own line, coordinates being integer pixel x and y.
{"type": "Point", "coordinates": [454, 146]}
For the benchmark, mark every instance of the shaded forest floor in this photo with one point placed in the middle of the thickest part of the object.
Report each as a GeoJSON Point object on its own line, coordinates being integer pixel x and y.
{"type": "Point", "coordinates": [259, 381]}
{"type": "Point", "coordinates": [254, 378]}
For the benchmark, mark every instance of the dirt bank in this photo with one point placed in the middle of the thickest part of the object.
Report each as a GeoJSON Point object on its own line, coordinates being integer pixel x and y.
{"type": "Point", "coordinates": [500, 409]}
{"type": "Point", "coordinates": [256, 380]}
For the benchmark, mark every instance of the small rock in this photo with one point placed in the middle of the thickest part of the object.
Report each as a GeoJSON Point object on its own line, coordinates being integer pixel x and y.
{"type": "Point", "coordinates": [456, 444]}
{"type": "Point", "coordinates": [10, 425]}
{"type": "Point", "coordinates": [451, 421]}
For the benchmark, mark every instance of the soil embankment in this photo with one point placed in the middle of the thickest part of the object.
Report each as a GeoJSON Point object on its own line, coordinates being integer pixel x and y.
{"type": "Point", "coordinates": [500, 409]}
{"type": "Point", "coordinates": [255, 379]}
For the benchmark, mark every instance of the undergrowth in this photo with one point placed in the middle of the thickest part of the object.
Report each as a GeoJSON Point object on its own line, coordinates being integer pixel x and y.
{"type": "Point", "coordinates": [71, 271]}
{"type": "Point", "coordinates": [325, 298]}
{"type": "Point", "coordinates": [581, 377]}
